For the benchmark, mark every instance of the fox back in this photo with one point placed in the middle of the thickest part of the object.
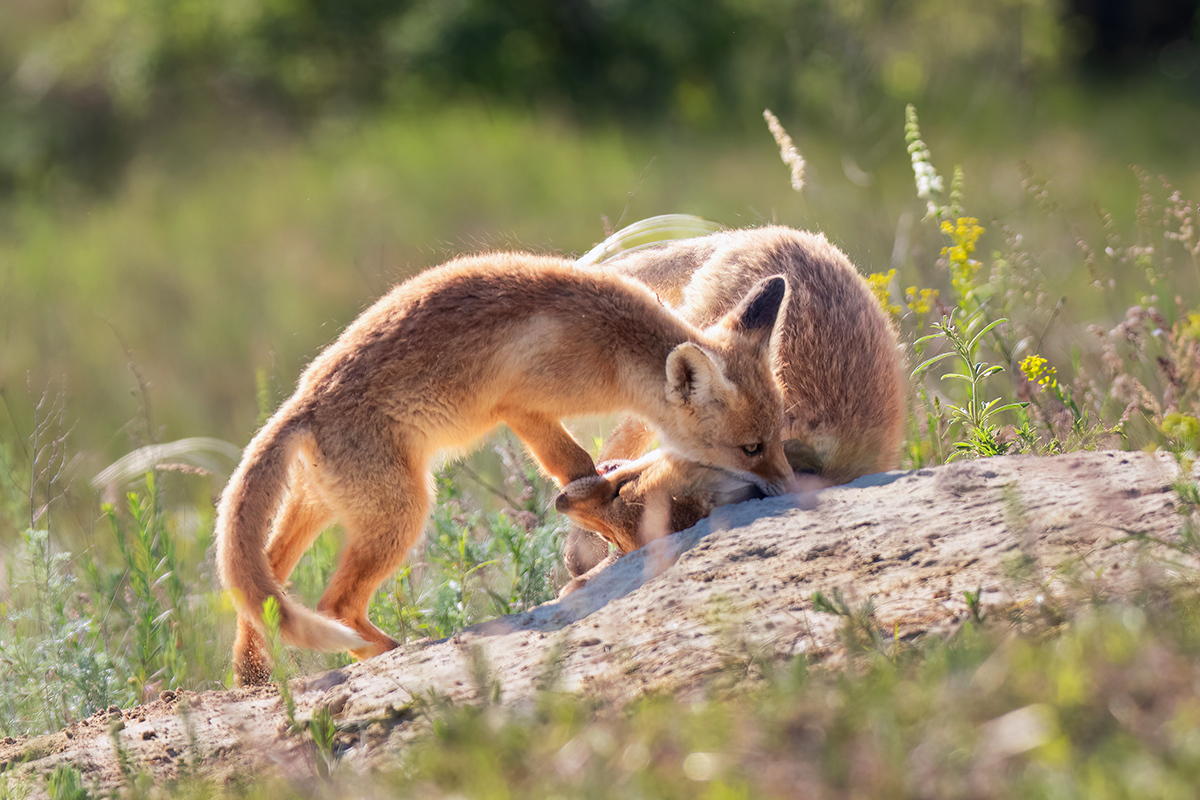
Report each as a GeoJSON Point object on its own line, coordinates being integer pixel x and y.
{"type": "Point", "coordinates": [447, 354]}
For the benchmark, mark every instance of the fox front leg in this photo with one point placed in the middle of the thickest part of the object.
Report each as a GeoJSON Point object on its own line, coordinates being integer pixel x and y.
{"type": "Point", "coordinates": [559, 455]}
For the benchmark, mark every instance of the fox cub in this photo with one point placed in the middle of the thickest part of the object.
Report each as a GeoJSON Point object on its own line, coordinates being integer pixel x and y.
{"type": "Point", "coordinates": [838, 362]}
{"type": "Point", "coordinates": [436, 363]}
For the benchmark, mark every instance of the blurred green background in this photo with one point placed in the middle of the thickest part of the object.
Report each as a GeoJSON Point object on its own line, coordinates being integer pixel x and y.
{"type": "Point", "coordinates": [197, 195]}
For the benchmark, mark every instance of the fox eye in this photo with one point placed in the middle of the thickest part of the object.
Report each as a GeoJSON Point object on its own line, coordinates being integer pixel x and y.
{"type": "Point", "coordinates": [752, 449]}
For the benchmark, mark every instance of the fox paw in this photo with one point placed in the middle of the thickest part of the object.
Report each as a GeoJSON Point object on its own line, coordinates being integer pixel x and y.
{"type": "Point", "coordinates": [605, 467]}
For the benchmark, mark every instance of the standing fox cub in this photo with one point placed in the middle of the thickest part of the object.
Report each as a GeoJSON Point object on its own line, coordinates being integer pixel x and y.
{"type": "Point", "coordinates": [438, 362]}
{"type": "Point", "coordinates": [837, 361]}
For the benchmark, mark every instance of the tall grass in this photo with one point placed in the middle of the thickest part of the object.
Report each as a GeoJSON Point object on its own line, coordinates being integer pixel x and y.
{"type": "Point", "coordinates": [1022, 352]}
{"type": "Point", "coordinates": [82, 632]}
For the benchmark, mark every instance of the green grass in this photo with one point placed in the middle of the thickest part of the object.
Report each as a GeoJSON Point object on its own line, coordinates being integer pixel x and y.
{"type": "Point", "coordinates": [1097, 345]}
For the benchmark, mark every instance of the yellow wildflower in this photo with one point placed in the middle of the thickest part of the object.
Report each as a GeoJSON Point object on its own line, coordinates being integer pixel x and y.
{"type": "Point", "coordinates": [1183, 428]}
{"type": "Point", "coordinates": [920, 301]}
{"type": "Point", "coordinates": [1034, 368]}
{"type": "Point", "coordinates": [964, 234]}
{"type": "Point", "coordinates": [880, 284]}
{"type": "Point", "coordinates": [1191, 328]}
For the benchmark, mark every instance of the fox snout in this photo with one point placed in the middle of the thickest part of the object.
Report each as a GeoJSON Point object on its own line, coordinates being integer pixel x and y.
{"type": "Point", "coordinates": [774, 474]}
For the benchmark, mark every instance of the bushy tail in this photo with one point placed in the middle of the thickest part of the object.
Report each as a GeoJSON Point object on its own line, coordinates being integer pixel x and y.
{"type": "Point", "coordinates": [243, 523]}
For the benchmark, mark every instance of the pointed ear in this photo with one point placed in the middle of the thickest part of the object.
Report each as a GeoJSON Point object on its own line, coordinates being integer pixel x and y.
{"type": "Point", "coordinates": [581, 493]}
{"type": "Point", "coordinates": [694, 377]}
{"type": "Point", "coordinates": [759, 310]}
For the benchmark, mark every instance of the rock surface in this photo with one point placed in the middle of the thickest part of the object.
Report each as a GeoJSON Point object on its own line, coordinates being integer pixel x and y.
{"type": "Point", "coordinates": [736, 587]}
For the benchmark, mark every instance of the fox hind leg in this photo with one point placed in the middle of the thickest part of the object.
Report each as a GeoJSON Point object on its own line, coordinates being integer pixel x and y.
{"type": "Point", "coordinates": [302, 517]}
{"type": "Point", "coordinates": [305, 513]}
{"type": "Point", "coordinates": [382, 522]}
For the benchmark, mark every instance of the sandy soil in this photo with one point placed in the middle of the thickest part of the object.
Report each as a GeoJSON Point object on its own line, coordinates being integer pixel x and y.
{"type": "Point", "coordinates": [735, 588]}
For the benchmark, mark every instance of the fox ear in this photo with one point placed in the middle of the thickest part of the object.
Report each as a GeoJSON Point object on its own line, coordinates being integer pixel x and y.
{"type": "Point", "coordinates": [582, 493]}
{"type": "Point", "coordinates": [694, 376]}
{"type": "Point", "coordinates": [759, 310]}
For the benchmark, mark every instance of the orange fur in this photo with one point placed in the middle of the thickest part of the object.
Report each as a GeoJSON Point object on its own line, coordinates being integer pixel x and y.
{"type": "Point", "coordinates": [439, 361]}
{"type": "Point", "coordinates": [838, 362]}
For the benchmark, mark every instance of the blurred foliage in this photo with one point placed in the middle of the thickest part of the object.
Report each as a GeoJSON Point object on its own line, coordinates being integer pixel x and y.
{"type": "Point", "coordinates": [271, 165]}
{"type": "Point", "coordinates": [195, 274]}
{"type": "Point", "coordinates": [87, 82]}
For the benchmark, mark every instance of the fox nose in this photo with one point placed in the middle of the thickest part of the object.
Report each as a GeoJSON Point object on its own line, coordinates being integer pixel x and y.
{"type": "Point", "coordinates": [776, 474]}
{"type": "Point", "coordinates": [562, 503]}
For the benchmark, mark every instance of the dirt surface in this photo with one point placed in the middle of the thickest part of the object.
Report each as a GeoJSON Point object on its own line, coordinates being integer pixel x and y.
{"type": "Point", "coordinates": [738, 586]}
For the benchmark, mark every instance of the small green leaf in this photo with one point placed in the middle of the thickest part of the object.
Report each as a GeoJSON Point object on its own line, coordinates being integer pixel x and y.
{"type": "Point", "coordinates": [929, 362]}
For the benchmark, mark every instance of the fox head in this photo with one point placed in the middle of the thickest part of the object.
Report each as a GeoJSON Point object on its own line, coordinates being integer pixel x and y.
{"type": "Point", "coordinates": [647, 499]}
{"type": "Point", "coordinates": [729, 398]}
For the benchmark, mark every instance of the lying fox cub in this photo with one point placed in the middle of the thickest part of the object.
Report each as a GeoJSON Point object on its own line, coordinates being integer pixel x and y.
{"type": "Point", "coordinates": [838, 363]}
{"type": "Point", "coordinates": [438, 362]}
